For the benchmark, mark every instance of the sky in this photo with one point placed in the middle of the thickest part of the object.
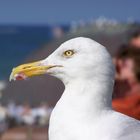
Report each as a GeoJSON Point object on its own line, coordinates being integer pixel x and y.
{"type": "Point", "coordinates": [66, 11]}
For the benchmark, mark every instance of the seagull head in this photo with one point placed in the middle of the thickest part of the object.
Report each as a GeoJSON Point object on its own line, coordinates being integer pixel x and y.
{"type": "Point", "coordinates": [74, 59]}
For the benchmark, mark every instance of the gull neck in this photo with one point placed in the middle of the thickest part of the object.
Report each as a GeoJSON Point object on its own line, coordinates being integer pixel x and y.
{"type": "Point", "coordinates": [88, 96]}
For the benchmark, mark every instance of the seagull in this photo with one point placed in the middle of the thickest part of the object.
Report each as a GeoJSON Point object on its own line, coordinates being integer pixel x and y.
{"type": "Point", "coordinates": [84, 111]}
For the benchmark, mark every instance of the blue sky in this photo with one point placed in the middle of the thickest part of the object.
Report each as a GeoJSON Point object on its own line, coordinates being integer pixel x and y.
{"type": "Point", "coordinates": [65, 11]}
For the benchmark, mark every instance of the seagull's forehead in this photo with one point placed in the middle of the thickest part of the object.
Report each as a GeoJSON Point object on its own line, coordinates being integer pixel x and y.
{"type": "Point", "coordinates": [75, 45]}
{"type": "Point", "coordinates": [81, 43]}
{"type": "Point", "coordinates": [70, 45]}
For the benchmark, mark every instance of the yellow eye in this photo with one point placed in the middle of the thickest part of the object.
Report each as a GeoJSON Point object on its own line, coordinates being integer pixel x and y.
{"type": "Point", "coordinates": [68, 53]}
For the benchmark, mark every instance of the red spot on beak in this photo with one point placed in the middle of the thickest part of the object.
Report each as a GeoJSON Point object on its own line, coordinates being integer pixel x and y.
{"type": "Point", "coordinates": [20, 76]}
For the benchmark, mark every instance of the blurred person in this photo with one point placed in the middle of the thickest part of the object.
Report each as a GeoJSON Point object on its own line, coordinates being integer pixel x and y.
{"type": "Point", "coordinates": [57, 32]}
{"type": "Point", "coordinates": [18, 112]}
{"type": "Point", "coordinates": [42, 114]}
{"type": "Point", "coordinates": [12, 114]}
{"type": "Point", "coordinates": [127, 87]}
{"type": "Point", "coordinates": [135, 39]}
{"type": "Point", "coordinates": [11, 107]}
{"type": "Point", "coordinates": [3, 113]}
{"type": "Point", "coordinates": [127, 72]}
{"type": "Point", "coordinates": [3, 117]}
{"type": "Point", "coordinates": [26, 115]}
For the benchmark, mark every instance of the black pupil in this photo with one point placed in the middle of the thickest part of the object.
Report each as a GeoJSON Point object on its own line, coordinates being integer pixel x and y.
{"type": "Point", "coordinates": [68, 53]}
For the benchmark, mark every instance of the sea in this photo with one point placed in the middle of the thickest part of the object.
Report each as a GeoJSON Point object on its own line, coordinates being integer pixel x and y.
{"type": "Point", "coordinates": [18, 41]}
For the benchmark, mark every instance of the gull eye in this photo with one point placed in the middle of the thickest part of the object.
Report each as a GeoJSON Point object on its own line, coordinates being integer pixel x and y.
{"type": "Point", "coordinates": [68, 53]}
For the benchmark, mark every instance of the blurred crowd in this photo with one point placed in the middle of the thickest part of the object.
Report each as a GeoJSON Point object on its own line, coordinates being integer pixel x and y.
{"type": "Point", "coordinates": [14, 115]}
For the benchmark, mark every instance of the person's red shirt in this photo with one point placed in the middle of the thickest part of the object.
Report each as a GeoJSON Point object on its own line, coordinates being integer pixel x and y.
{"type": "Point", "coordinates": [129, 105]}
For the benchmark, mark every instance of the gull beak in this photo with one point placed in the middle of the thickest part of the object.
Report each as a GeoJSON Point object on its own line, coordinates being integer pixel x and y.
{"type": "Point", "coordinates": [29, 70]}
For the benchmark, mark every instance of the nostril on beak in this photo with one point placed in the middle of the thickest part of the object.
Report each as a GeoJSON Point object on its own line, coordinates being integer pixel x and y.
{"type": "Point", "coordinates": [26, 67]}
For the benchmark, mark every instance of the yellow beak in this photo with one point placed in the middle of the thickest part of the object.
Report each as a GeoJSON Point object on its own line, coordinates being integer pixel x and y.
{"type": "Point", "coordinates": [28, 70]}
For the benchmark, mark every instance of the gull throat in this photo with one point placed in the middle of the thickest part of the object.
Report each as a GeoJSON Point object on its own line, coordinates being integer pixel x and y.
{"type": "Point", "coordinates": [85, 97]}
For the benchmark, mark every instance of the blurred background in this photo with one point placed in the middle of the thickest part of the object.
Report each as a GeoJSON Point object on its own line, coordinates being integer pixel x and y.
{"type": "Point", "coordinates": [31, 29]}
